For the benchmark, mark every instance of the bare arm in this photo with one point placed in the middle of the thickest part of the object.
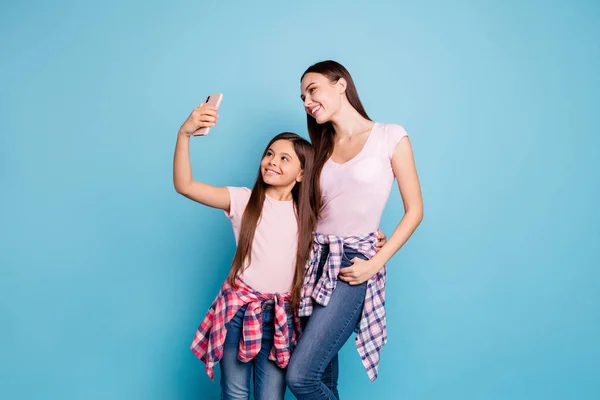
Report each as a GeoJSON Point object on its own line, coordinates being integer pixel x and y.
{"type": "Point", "coordinates": [403, 165]}
{"type": "Point", "coordinates": [209, 195]}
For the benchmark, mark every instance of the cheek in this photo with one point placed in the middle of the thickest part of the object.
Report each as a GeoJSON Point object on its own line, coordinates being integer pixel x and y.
{"type": "Point", "coordinates": [290, 170]}
{"type": "Point", "coordinates": [328, 102]}
{"type": "Point", "coordinates": [335, 101]}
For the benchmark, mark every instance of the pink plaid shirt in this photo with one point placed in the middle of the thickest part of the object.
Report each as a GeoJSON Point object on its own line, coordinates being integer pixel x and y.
{"type": "Point", "coordinates": [371, 333]}
{"type": "Point", "coordinates": [210, 336]}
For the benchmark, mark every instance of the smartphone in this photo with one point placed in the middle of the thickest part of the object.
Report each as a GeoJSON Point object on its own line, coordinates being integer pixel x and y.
{"type": "Point", "coordinates": [213, 100]}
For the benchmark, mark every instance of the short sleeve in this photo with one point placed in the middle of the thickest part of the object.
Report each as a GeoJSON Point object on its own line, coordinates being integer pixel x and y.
{"type": "Point", "coordinates": [238, 199]}
{"type": "Point", "coordinates": [394, 134]}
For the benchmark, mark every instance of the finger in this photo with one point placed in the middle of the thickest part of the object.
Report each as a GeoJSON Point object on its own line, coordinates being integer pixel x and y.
{"type": "Point", "coordinates": [204, 107]}
{"type": "Point", "coordinates": [205, 110]}
{"type": "Point", "coordinates": [350, 275]}
{"type": "Point", "coordinates": [204, 115]}
{"type": "Point", "coordinates": [205, 124]}
{"type": "Point", "coordinates": [207, 118]}
{"type": "Point", "coordinates": [345, 277]}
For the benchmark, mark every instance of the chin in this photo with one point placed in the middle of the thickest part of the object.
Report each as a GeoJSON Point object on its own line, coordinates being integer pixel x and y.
{"type": "Point", "coordinates": [268, 179]}
{"type": "Point", "coordinates": [321, 119]}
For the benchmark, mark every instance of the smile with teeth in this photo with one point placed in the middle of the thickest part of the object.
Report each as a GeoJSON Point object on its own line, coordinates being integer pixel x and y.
{"type": "Point", "coordinates": [315, 110]}
{"type": "Point", "coordinates": [271, 172]}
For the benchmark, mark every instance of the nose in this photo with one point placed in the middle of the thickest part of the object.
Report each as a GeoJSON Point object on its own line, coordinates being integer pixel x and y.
{"type": "Point", "coordinates": [307, 102]}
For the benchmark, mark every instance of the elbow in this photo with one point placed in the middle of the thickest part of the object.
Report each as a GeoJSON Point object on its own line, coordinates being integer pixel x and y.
{"type": "Point", "coordinates": [416, 214]}
{"type": "Point", "coordinates": [180, 188]}
{"type": "Point", "coordinates": [420, 214]}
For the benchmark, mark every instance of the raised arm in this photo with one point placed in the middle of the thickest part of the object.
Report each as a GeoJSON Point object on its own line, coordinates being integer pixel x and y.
{"type": "Point", "coordinates": [209, 195]}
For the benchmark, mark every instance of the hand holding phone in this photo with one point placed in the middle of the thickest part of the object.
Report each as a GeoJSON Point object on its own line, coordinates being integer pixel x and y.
{"type": "Point", "coordinates": [203, 117]}
{"type": "Point", "coordinates": [212, 100]}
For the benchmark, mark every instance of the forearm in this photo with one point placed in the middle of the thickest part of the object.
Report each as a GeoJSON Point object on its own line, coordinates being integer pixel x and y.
{"type": "Point", "coordinates": [409, 223]}
{"type": "Point", "coordinates": [182, 167]}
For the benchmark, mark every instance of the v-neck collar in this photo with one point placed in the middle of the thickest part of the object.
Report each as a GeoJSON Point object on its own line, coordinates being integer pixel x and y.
{"type": "Point", "coordinates": [357, 154]}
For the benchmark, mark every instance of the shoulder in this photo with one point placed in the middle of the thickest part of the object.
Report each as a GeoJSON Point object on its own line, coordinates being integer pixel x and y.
{"type": "Point", "coordinates": [238, 200]}
{"type": "Point", "coordinates": [239, 192]}
{"type": "Point", "coordinates": [391, 130]}
{"type": "Point", "coordinates": [389, 136]}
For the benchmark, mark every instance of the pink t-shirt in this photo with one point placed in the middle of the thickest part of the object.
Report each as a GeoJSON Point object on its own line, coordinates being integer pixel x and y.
{"type": "Point", "coordinates": [354, 193]}
{"type": "Point", "coordinates": [273, 256]}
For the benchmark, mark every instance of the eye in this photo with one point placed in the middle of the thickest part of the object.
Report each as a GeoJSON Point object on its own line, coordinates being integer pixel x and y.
{"type": "Point", "coordinates": [312, 89]}
{"type": "Point", "coordinates": [284, 158]}
{"type": "Point", "coordinates": [269, 153]}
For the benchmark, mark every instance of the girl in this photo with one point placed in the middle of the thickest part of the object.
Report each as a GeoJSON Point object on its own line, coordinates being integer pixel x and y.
{"type": "Point", "coordinates": [249, 326]}
{"type": "Point", "coordinates": [356, 161]}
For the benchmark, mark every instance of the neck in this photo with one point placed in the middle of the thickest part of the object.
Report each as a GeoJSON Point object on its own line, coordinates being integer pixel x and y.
{"type": "Point", "coordinates": [280, 193]}
{"type": "Point", "coordinates": [348, 122]}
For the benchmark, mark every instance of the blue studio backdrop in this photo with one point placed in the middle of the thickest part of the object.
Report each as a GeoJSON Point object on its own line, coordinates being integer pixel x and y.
{"type": "Point", "coordinates": [105, 271]}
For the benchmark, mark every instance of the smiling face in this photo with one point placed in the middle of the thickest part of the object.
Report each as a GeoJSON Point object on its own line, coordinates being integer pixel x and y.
{"type": "Point", "coordinates": [280, 166]}
{"type": "Point", "coordinates": [322, 98]}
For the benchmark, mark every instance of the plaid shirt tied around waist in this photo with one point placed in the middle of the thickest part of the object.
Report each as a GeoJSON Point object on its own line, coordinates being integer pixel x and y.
{"type": "Point", "coordinates": [210, 336]}
{"type": "Point", "coordinates": [371, 332]}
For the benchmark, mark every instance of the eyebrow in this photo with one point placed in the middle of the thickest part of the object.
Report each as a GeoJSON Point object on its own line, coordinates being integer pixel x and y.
{"type": "Point", "coordinates": [273, 151]}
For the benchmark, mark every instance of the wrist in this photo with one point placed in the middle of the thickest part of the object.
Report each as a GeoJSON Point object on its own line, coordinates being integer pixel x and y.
{"type": "Point", "coordinates": [182, 134]}
{"type": "Point", "coordinates": [375, 265]}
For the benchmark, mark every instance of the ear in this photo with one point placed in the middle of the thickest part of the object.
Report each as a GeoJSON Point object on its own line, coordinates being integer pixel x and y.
{"type": "Point", "coordinates": [300, 176]}
{"type": "Point", "coordinates": [342, 85]}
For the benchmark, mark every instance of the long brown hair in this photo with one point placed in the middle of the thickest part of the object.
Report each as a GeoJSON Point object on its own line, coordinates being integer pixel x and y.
{"type": "Point", "coordinates": [321, 135]}
{"type": "Point", "coordinates": [302, 195]}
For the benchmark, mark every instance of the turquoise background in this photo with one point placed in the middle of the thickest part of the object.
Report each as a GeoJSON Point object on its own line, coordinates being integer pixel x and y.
{"type": "Point", "coordinates": [106, 271]}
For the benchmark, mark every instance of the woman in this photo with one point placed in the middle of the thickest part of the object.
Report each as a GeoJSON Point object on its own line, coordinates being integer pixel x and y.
{"type": "Point", "coordinates": [356, 162]}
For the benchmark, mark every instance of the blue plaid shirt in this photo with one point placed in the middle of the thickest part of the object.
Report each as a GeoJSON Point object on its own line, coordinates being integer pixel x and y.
{"type": "Point", "coordinates": [371, 333]}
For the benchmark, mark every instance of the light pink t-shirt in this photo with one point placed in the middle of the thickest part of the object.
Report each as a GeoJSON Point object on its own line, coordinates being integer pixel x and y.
{"type": "Point", "coordinates": [354, 194]}
{"type": "Point", "coordinates": [273, 256]}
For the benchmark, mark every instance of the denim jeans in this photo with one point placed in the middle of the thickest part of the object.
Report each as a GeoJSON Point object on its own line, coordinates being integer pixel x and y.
{"type": "Point", "coordinates": [236, 376]}
{"type": "Point", "coordinates": [313, 369]}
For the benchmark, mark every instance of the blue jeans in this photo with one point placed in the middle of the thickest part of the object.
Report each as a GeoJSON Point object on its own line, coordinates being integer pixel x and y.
{"type": "Point", "coordinates": [313, 370]}
{"type": "Point", "coordinates": [269, 379]}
